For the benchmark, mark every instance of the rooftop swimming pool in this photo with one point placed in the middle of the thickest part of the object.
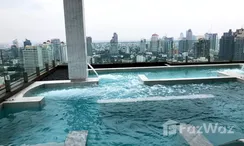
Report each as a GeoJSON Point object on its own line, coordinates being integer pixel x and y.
{"type": "Point", "coordinates": [135, 123]}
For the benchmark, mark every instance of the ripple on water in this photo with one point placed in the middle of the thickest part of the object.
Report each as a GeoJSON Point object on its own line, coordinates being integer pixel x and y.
{"type": "Point", "coordinates": [132, 124]}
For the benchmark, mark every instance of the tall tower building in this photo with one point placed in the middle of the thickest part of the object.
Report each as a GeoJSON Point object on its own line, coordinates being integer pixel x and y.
{"type": "Point", "coordinates": [201, 48]}
{"type": "Point", "coordinates": [183, 45]}
{"type": "Point", "coordinates": [168, 46]}
{"type": "Point", "coordinates": [89, 46]}
{"type": "Point", "coordinates": [226, 48]}
{"type": "Point", "coordinates": [16, 43]}
{"type": "Point", "coordinates": [239, 45]}
{"type": "Point", "coordinates": [189, 34]}
{"type": "Point", "coordinates": [154, 43]}
{"type": "Point", "coordinates": [56, 49]}
{"type": "Point", "coordinates": [27, 43]}
{"type": "Point", "coordinates": [181, 36]}
{"type": "Point", "coordinates": [189, 38]}
{"type": "Point", "coordinates": [143, 46]}
{"type": "Point", "coordinates": [114, 45]}
{"type": "Point", "coordinates": [213, 38]}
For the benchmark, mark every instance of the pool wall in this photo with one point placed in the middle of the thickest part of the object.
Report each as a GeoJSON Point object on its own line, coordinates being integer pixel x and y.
{"type": "Point", "coordinates": [207, 80]}
{"type": "Point", "coordinates": [239, 77]}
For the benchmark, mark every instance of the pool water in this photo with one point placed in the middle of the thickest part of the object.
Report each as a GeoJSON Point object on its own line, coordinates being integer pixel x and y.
{"type": "Point", "coordinates": [189, 73]}
{"type": "Point", "coordinates": [132, 124]}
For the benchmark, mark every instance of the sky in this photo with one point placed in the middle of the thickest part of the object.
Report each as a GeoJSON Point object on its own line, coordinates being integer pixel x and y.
{"type": "Point", "coordinates": [41, 20]}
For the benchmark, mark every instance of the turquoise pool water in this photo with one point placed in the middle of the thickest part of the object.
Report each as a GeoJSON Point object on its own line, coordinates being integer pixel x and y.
{"type": "Point", "coordinates": [189, 73]}
{"type": "Point", "coordinates": [129, 124]}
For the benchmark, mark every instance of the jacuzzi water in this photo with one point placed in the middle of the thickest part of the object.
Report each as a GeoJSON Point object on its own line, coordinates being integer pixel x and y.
{"type": "Point", "coordinates": [190, 73]}
{"type": "Point", "coordinates": [128, 123]}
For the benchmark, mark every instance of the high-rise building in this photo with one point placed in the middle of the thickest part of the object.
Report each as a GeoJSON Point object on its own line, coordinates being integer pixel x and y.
{"type": "Point", "coordinates": [143, 46]}
{"type": "Point", "coordinates": [183, 45]}
{"type": "Point", "coordinates": [89, 46]}
{"type": "Point", "coordinates": [181, 36]}
{"type": "Point", "coordinates": [56, 49]}
{"type": "Point", "coordinates": [189, 34]}
{"type": "Point", "coordinates": [239, 45]}
{"type": "Point", "coordinates": [202, 48]}
{"type": "Point", "coordinates": [114, 45]}
{"type": "Point", "coordinates": [27, 43]}
{"type": "Point", "coordinates": [32, 58]}
{"type": "Point", "coordinates": [226, 48]}
{"type": "Point", "coordinates": [47, 53]}
{"type": "Point", "coordinates": [189, 37]}
{"type": "Point", "coordinates": [154, 43]}
{"type": "Point", "coordinates": [168, 46]}
{"type": "Point", "coordinates": [16, 43]}
{"type": "Point", "coordinates": [213, 38]}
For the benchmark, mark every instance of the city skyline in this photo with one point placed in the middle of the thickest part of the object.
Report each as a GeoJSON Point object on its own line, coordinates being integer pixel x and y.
{"type": "Point", "coordinates": [139, 19]}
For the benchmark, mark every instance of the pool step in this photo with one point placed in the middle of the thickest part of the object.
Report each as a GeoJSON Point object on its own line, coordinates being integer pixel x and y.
{"type": "Point", "coordinates": [74, 138]}
{"type": "Point", "coordinates": [194, 139]}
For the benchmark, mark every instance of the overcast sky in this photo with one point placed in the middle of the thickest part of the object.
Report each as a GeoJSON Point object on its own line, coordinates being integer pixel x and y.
{"type": "Point", "coordinates": [39, 20]}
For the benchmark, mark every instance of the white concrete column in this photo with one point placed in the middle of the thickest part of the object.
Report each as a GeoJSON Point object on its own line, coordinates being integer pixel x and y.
{"type": "Point", "coordinates": [76, 39]}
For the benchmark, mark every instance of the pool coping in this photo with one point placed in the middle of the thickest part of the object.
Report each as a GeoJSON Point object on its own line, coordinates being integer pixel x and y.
{"type": "Point", "coordinates": [239, 77]}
